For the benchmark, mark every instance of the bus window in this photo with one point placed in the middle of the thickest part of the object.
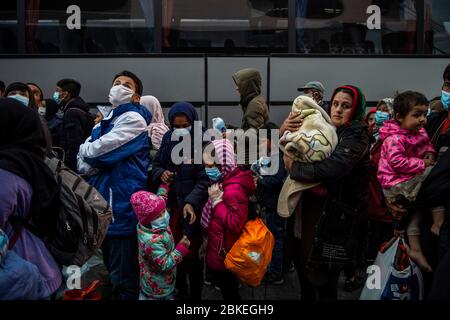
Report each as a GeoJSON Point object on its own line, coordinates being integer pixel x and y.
{"type": "Point", "coordinates": [8, 27]}
{"type": "Point", "coordinates": [225, 26]}
{"type": "Point", "coordinates": [340, 27]}
{"type": "Point", "coordinates": [107, 26]}
{"type": "Point", "coordinates": [437, 26]}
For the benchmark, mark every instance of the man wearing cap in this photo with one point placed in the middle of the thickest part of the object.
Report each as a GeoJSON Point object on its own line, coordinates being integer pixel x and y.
{"type": "Point", "coordinates": [315, 90]}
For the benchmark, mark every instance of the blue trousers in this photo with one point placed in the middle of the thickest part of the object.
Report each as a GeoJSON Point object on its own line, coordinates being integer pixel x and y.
{"type": "Point", "coordinates": [277, 226]}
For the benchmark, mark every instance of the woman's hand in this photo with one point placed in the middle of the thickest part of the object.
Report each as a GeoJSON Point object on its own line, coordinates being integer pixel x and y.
{"type": "Point", "coordinates": [185, 241]}
{"type": "Point", "coordinates": [167, 176]}
{"type": "Point", "coordinates": [292, 123]}
{"type": "Point", "coordinates": [189, 210]}
{"type": "Point", "coordinates": [288, 162]}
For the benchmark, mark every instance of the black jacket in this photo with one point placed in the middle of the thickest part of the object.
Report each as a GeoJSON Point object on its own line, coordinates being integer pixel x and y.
{"type": "Point", "coordinates": [77, 126]}
{"type": "Point", "coordinates": [342, 228]}
{"type": "Point", "coordinates": [433, 127]}
{"type": "Point", "coordinates": [269, 187]}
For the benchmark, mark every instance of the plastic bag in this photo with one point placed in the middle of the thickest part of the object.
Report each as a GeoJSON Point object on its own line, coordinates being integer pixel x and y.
{"type": "Point", "coordinates": [395, 276]}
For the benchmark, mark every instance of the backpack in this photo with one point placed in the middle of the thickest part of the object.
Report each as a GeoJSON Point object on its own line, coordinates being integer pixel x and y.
{"type": "Point", "coordinates": [251, 253]}
{"type": "Point", "coordinates": [83, 218]}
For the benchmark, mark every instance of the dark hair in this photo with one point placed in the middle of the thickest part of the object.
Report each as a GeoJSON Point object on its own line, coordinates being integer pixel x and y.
{"type": "Point", "coordinates": [19, 86]}
{"type": "Point", "coordinates": [41, 94]}
{"type": "Point", "coordinates": [405, 101]}
{"type": "Point", "coordinates": [73, 87]}
{"type": "Point", "coordinates": [2, 86]}
{"type": "Point", "coordinates": [446, 74]}
{"type": "Point", "coordinates": [137, 81]}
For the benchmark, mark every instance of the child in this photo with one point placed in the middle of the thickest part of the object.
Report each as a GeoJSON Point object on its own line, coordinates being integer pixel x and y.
{"type": "Point", "coordinates": [407, 157]}
{"type": "Point", "coordinates": [158, 256]}
{"type": "Point", "coordinates": [383, 113]}
{"type": "Point", "coordinates": [268, 191]}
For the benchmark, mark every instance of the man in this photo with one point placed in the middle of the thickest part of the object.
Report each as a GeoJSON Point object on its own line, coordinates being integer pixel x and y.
{"type": "Point", "coordinates": [315, 90]}
{"type": "Point", "coordinates": [77, 122]}
{"type": "Point", "coordinates": [116, 157]}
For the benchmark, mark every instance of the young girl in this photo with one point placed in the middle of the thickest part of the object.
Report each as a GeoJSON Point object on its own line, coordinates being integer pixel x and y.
{"type": "Point", "coordinates": [226, 211]}
{"type": "Point", "coordinates": [158, 256]}
{"type": "Point", "coordinates": [406, 159]}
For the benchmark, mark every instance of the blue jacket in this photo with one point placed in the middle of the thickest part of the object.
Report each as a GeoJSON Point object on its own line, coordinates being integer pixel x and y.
{"type": "Point", "coordinates": [118, 151]}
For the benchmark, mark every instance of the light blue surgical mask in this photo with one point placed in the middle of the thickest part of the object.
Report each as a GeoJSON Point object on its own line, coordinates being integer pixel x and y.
{"type": "Point", "coordinates": [56, 97]}
{"type": "Point", "coordinates": [181, 132]}
{"type": "Point", "coordinates": [381, 117]}
{"type": "Point", "coordinates": [23, 100]}
{"type": "Point", "coordinates": [214, 173]}
{"type": "Point", "coordinates": [445, 99]}
{"type": "Point", "coordinates": [219, 124]}
{"type": "Point", "coordinates": [162, 222]}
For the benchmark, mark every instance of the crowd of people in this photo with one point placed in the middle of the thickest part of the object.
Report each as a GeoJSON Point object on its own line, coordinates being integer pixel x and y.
{"type": "Point", "coordinates": [375, 174]}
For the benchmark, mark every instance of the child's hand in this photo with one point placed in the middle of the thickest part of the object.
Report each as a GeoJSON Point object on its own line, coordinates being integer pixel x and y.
{"type": "Point", "coordinates": [185, 241]}
{"type": "Point", "coordinates": [429, 159]}
{"type": "Point", "coordinates": [167, 176]}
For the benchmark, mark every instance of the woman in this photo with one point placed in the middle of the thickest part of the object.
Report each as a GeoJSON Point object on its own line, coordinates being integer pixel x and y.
{"type": "Point", "coordinates": [226, 212]}
{"type": "Point", "coordinates": [188, 193]}
{"type": "Point", "coordinates": [28, 186]}
{"type": "Point", "coordinates": [341, 229]}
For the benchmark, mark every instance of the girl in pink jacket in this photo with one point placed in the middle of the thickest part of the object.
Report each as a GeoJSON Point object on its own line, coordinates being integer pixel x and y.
{"type": "Point", "coordinates": [407, 157]}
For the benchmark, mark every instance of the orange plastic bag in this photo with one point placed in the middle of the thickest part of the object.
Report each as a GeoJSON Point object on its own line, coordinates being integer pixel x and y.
{"type": "Point", "coordinates": [86, 294]}
{"type": "Point", "coordinates": [251, 254]}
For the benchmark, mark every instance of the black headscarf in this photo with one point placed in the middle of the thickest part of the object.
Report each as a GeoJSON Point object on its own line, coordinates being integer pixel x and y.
{"type": "Point", "coordinates": [22, 145]}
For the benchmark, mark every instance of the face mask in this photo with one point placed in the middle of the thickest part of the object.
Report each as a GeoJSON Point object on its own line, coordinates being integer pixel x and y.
{"type": "Point", "coordinates": [219, 124]}
{"type": "Point", "coordinates": [445, 99]}
{"type": "Point", "coordinates": [23, 100]}
{"type": "Point", "coordinates": [213, 173]}
{"type": "Point", "coordinates": [119, 95]}
{"type": "Point", "coordinates": [41, 111]}
{"type": "Point", "coordinates": [56, 97]}
{"type": "Point", "coordinates": [181, 132]}
{"type": "Point", "coordinates": [381, 117]}
{"type": "Point", "coordinates": [162, 222]}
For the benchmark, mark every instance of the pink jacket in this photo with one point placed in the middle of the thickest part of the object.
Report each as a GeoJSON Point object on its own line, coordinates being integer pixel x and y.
{"type": "Point", "coordinates": [401, 154]}
{"type": "Point", "coordinates": [229, 217]}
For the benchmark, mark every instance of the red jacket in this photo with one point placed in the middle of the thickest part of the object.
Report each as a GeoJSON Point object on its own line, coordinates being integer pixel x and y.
{"type": "Point", "coordinates": [229, 217]}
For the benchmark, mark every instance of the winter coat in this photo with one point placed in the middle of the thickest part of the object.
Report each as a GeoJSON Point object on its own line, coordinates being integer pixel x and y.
{"type": "Point", "coordinates": [269, 187]}
{"type": "Point", "coordinates": [15, 201]}
{"type": "Point", "coordinates": [158, 258]}
{"type": "Point", "coordinates": [119, 152]}
{"type": "Point", "coordinates": [229, 217]}
{"type": "Point", "coordinates": [343, 224]}
{"type": "Point", "coordinates": [254, 106]}
{"type": "Point", "coordinates": [77, 126]}
{"type": "Point", "coordinates": [440, 141]}
{"type": "Point", "coordinates": [401, 154]}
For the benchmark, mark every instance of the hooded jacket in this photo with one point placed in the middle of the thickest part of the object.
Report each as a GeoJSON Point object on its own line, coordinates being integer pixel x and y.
{"type": "Point", "coordinates": [77, 126]}
{"type": "Point", "coordinates": [229, 216]}
{"type": "Point", "coordinates": [118, 151]}
{"type": "Point", "coordinates": [402, 154]}
{"type": "Point", "coordinates": [254, 106]}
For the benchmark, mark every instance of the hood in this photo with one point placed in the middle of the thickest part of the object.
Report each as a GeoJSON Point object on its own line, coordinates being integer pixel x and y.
{"type": "Point", "coordinates": [183, 108]}
{"type": "Point", "coordinates": [249, 83]}
{"type": "Point", "coordinates": [391, 127]}
{"type": "Point", "coordinates": [77, 103]}
{"type": "Point", "coordinates": [244, 178]}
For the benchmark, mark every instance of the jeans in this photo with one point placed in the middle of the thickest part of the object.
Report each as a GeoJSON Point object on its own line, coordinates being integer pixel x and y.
{"type": "Point", "coordinates": [277, 226]}
{"type": "Point", "coordinates": [120, 254]}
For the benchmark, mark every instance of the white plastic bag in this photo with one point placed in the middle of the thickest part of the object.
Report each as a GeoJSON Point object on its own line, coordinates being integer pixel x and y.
{"type": "Point", "coordinates": [387, 283]}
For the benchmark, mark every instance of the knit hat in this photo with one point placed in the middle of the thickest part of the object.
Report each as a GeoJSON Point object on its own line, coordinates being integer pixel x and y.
{"type": "Point", "coordinates": [147, 206]}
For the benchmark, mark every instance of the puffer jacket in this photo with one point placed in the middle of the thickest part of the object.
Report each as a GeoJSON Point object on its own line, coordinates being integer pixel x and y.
{"type": "Point", "coordinates": [229, 216]}
{"type": "Point", "coordinates": [402, 154]}
{"type": "Point", "coordinates": [254, 106]}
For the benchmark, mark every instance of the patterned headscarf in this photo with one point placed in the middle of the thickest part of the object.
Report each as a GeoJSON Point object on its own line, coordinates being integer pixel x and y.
{"type": "Point", "coordinates": [157, 127]}
{"type": "Point", "coordinates": [226, 158]}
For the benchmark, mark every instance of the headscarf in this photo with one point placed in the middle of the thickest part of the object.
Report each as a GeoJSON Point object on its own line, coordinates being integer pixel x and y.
{"type": "Point", "coordinates": [167, 145]}
{"type": "Point", "coordinates": [226, 158]}
{"type": "Point", "coordinates": [359, 102]}
{"type": "Point", "coordinates": [22, 145]}
{"type": "Point", "coordinates": [157, 127]}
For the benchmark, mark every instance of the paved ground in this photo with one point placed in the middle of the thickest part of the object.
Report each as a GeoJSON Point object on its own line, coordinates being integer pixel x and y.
{"type": "Point", "coordinates": [290, 290]}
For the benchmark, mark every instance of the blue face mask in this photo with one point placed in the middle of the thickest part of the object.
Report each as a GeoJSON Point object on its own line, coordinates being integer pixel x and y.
{"type": "Point", "coordinates": [445, 99]}
{"type": "Point", "coordinates": [162, 222]}
{"type": "Point", "coordinates": [56, 97]}
{"type": "Point", "coordinates": [181, 132]}
{"type": "Point", "coordinates": [219, 124]}
{"type": "Point", "coordinates": [23, 100]}
{"type": "Point", "coordinates": [213, 174]}
{"type": "Point", "coordinates": [381, 117]}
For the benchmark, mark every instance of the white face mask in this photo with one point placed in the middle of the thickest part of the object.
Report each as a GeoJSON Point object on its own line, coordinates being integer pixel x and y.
{"type": "Point", "coordinates": [119, 95]}
{"type": "Point", "coordinates": [41, 111]}
{"type": "Point", "coordinates": [23, 100]}
{"type": "Point", "coordinates": [181, 132]}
